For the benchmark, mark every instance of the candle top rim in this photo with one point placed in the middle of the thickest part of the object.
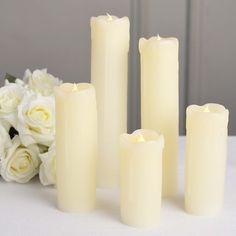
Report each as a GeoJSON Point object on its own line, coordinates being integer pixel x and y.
{"type": "Point", "coordinates": [209, 108]}
{"type": "Point", "coordinates": [158, 38]}
{"type": "Point", "coordinates": [108, 18]}
{"type": "Point", "coordinates": [74, 87]}
{"type": "Point", "coordinates": [156, 41]}
{"type": "Point", "coordinates": [142, 136]}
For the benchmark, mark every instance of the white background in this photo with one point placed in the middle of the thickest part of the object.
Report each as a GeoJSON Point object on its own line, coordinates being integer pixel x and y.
{"type": "Point", "coordinates": [30, 210]}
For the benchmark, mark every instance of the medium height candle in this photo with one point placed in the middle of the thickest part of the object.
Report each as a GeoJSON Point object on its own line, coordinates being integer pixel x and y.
{"type": "Point", "coordinates": [160, 101]}
{"type": "Point", "coordinates": [205, 158]}
{"type": "Point", "coordinates": [141, 177]}
{"type": "Point", "coordinates": [109, 63]}
{"type": "Point", "coordinates": [76, 146]}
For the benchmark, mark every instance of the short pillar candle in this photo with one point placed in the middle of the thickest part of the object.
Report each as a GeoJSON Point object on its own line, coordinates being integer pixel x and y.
{"type": "Point", "coordinates": [76, 147]}
{"type": "Point", "coordinates": [141, 178]}
{"type": "Point", "coordinates": [205, 158]}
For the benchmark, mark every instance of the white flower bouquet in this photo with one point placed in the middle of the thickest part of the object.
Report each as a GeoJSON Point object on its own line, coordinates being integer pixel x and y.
{"type": "Point", "coordinates": [27, 127]}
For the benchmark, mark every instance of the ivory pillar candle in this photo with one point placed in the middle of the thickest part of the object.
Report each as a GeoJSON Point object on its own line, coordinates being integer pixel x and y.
{"type": "Point", "coordinates": [205, 158]}
{"type": "Point", "coordinates": [141, 178]}
{"type": "Point", "coordinates": [109, 70]}
{"type": "Point", "coordinates": [76, 146]}
{"type": "Point", "coordinates": [159, 100]}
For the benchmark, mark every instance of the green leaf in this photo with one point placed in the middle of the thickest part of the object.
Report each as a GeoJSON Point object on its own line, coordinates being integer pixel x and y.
{"type": "Point", "coordinates": [10, 78]}
{"type": "Point", "coordinates": [13, 132]}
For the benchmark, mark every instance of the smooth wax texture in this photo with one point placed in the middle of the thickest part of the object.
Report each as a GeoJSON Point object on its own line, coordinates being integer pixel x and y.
{"type": "Point", "coordinates": [141, 178]}
{"type": "Point", "coordinates": [205, 158]}
{"type": "Point", "coordinates": [160, 100]}
{"type": "Point", "coordinates": [109, 71]}
{"type": "Point", "coordinates": [76, 147]}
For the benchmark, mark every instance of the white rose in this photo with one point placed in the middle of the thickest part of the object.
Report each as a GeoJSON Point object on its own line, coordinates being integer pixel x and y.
{"type": "Point", "coordinates": [5, 124]}
{"type": "Point", "coordinates": [47, 169]}
{"type": "Point", "coordinates": [20, 163]}
{"type": "Point", "coordinates": [18, 81]}
{"type": "Point", "coordinates": [41, 82]}
{"type": "Point", "coordinates": [36, 119]}
{"type": "Point", "coordinates": [10, 97]}
{"type": "Point", "coordinates": [5, 142]}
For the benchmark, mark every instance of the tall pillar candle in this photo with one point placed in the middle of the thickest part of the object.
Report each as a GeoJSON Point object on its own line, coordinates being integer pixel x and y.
{"type": "Point", "coordinates": [205, 158]}
{"type": "Point", "coordinates": [76, 146]}
{"type": "Point", "coordinates": [141, 177]}
{"type": "Point", "coordinates": [160, 100]}
{"type": "Point", "coordinates": [109, 70]}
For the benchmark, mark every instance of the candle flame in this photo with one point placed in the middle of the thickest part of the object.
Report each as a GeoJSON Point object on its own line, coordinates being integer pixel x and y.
{"type": "Point", "coordinates": [140, 138]}
{"type": "Point", "coordinates": [109, 17]}
{"type": "Point", "coordinates": [158, 37]}
{"type": "Point", "coordinates": [74, 87]}
{"type": "Point", "coordinates": [206, 109]}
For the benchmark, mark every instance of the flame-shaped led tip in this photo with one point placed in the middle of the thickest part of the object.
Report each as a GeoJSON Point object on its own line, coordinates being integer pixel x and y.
{"type": "Point", "coordinates": [74, 87]}
{"type": "Point", "coordinates": [109, 17]}
{"type": "Point", "coordinates": [206, 109]}
{"type": "Point", "coordinates": [140, 138]}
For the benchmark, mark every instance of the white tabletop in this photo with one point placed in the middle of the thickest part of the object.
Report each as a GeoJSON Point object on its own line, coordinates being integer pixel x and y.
{"type": "Point", "coordinates": [30, 209]}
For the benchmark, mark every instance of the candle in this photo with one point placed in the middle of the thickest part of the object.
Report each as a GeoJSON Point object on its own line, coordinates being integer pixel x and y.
{"type": "Point", "coordinates": [159, 100]}
{"type": "Point", "coordinates": [109, 63]}
{"type": "Point", "coordinates": [205, 158]}
{"type": "Point", "coordinates": [141, 177]}
{"type": "Point", "coordinates": [76, 146]}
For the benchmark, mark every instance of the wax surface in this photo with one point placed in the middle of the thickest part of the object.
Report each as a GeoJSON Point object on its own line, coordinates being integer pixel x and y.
{"type": "Point", "coordinates": [160, 100]}
{"type": "Point", "coordinates": [109, 71]}
{"type": "Point", "coordinates": [76, 147]}
{"type": "Point", "coordinates": [141, 178]}
{"type": "Point", "coordinates": [206, 152]}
